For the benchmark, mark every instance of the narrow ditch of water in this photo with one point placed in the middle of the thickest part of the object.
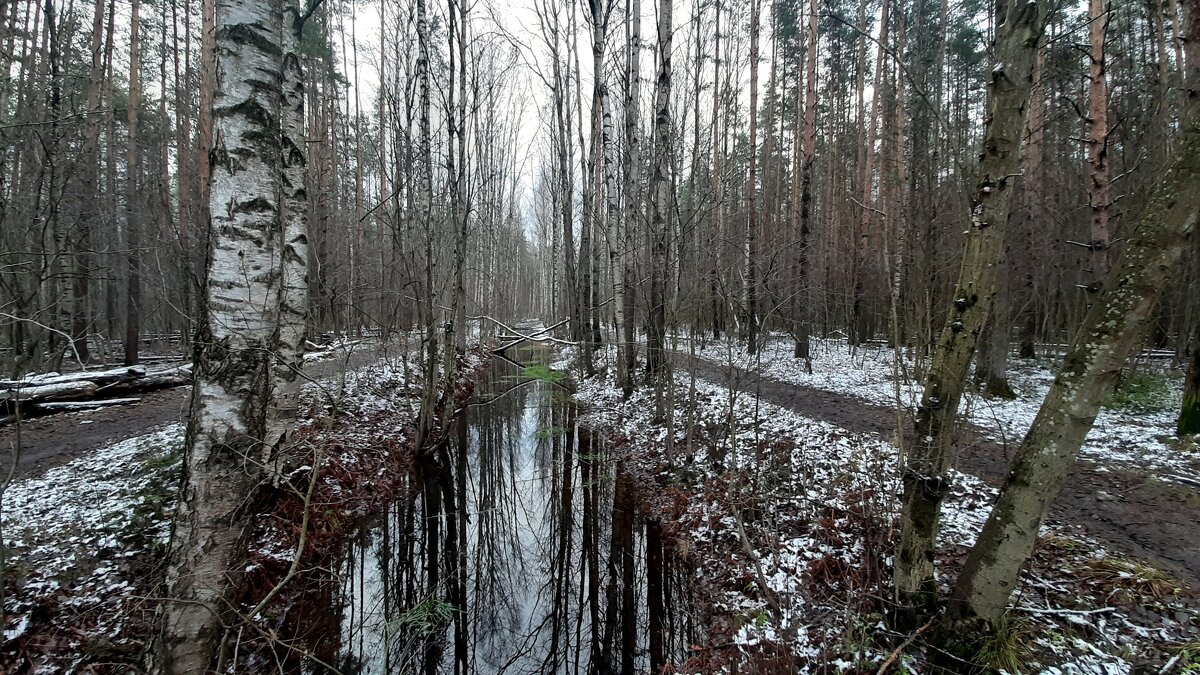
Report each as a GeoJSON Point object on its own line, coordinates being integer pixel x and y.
{"type": "Point", "coordinates": [519, 550]}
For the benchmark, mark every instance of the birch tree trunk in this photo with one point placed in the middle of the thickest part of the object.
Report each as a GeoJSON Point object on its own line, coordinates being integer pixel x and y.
{"type": "Point", "coordinates": [293, 246]}
{"type": "Point", "coordinates": [253, 318]}
{"type": "Point", "coordinates": [1098, 193]}
{"type": "Point", "coordinates": [924, 476]}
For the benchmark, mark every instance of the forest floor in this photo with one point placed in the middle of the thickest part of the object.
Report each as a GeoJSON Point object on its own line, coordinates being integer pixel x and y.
{"type": "Point", "coordinates": [87, 518]}
{"type": "Point", "coordinates": [787, 523]}
{"type": "Point", "coordinates": [50, 441]}
{"type": "Point", "coordinates": [1135, 488]}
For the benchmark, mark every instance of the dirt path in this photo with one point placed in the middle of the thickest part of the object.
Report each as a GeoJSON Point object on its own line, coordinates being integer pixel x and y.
{"type": "Point", "coordinates": [49, 441]}
{"type": "Point", "coordinates": [1128, 512]}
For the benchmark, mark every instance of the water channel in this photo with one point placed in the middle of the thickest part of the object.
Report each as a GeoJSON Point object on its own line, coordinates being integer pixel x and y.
{"type": "Point", "coordinates": [519, 550]}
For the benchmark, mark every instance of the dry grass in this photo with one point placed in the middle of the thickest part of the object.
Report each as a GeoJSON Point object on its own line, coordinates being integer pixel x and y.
{"type": "Point", "coordinates": [1127, 580]}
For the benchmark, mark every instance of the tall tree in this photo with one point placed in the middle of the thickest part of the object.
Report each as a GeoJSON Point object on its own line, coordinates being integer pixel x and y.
{"type": "Point", "coordinates": [751, 261]}
{"type": "Point", "coordinates": [1098, 190]}
{"type": "Point", "coordinates": [133, 226]}
{"type": "Point", "coordinates": [925, 482]}
{"type": "Point", "coordinates": [253, 317]}
{"type": "Point", "coordinates": [660, 200]}
{"type": "Point", "coordinates": [632, 165]}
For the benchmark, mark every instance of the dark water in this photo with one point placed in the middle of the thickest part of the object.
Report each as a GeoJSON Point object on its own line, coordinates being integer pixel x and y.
{"type": "Point", "coordinates": [520, 551]}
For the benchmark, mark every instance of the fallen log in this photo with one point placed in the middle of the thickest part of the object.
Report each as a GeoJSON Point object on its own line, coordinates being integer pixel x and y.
{"type": "Point", "coordinates": [145, 385]}
{"type": "Point", "coordinates": [97, 377]}
{"type": "Point", "coordinates": [46, 394]}
{"type": "Point", "coordinates": [50, 392]}
{"type": "Point", "coordinates": [73, 406]}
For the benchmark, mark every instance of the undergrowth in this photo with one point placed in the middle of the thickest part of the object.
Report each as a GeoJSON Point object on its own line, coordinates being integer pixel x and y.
{"type": "Point", "coordinates": [1006, 646]}
{"type": "Point", "coordinates": [1143, 392]}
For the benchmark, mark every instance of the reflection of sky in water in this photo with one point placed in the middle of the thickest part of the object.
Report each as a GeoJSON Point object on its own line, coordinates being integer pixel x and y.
{"type": "Point", "coordinates": [511, 541]}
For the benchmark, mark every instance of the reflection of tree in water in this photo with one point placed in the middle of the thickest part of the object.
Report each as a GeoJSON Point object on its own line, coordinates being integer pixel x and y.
{"type": "Point", "coordinates": [503, 562]}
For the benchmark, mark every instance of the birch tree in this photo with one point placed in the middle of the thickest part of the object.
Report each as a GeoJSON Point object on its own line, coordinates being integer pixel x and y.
{"type": "Point", "coordinates": [254, 310]}
{"type": "Point", "coordinates": [660, 200]}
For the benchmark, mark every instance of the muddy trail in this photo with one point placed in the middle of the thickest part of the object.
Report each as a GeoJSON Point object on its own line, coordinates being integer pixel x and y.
{"type": "Point", "coordinates": [49, 441]}
{"type": "Point", "coordinates": [1130, 512]}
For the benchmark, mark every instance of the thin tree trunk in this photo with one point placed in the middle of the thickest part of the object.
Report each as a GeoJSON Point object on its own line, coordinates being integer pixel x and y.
{"type": "Point", "coordinates": [632, 167]}
{"type": "Point", "coordinates": [133, 228]}
{"type": "Point", "coordinates": [925, 481]}
{"type": "Point", "coordinates": [1032, 193]}
{"type": "Point", "coordinates": [1098, 193]}
{"type": "Point", "coordinates": [88, 222]}
{"type": "Point", "coordinates": [660, 199]}
{"type": "Point", "coordinates": [752, 192]}
{"type": "Point", "coordinates": [806, 175]}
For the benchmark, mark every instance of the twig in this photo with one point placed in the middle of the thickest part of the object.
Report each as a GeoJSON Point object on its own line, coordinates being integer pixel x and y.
{"type": "Point", "coordinates": [1069, 612]}
{"type": "Point", "coordinates": [904, 645]}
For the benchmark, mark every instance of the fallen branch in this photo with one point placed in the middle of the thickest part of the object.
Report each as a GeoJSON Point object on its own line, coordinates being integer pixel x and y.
{"type": "Point", "coordinates": [71, 406]}
{"type": "Point", "coordinates": [1067, 612]}
{"type": "Point", "coordinates": [902, 646]}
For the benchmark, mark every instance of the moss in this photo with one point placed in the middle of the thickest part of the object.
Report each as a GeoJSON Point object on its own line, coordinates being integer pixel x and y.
{"type": "Point", "coordinates": [1142, 393]}
{"type": "Point", "coordinates": [1189, 416]}
{"type": "Point", "coordinates": [543, 373]}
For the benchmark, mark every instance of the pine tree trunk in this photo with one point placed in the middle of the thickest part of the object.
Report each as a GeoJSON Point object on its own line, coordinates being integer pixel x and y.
{"type": "Point", "coordinates": [924, 477]}
{"type": "Point", "coordinates": [82, 321]}
{"type": "Point", "coordinates": [751, 261]}
{"type": "Point", "coordinates": [806, 176]}
{"type": "Point", "coordinates": [133, 227]}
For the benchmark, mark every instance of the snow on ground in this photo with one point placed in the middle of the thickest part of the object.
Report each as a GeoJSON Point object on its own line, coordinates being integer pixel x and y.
{"type": "Point", "coordinates": [1121, 438]}
{"type": "Point", "coordinates": [818, 505]}
{"type": "Point", "coordinates": [79, 536]}
{"type": "Point", "coordinates": [83, 537]}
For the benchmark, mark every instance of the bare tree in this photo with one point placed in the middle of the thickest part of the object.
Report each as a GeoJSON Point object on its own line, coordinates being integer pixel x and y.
{"type": "Point", "coordinates": [249, 339]}
{"type": "Point", "coordinates": [925, 473]}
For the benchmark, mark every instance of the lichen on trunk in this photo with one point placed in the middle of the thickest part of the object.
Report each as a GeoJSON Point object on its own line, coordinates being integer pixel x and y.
{"type": "Point", "coordinates": [924, 476]}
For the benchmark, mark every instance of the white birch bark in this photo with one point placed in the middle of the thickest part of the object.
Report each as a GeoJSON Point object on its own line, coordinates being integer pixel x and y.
{"type": "Point", "coordinates": [238, 336]}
